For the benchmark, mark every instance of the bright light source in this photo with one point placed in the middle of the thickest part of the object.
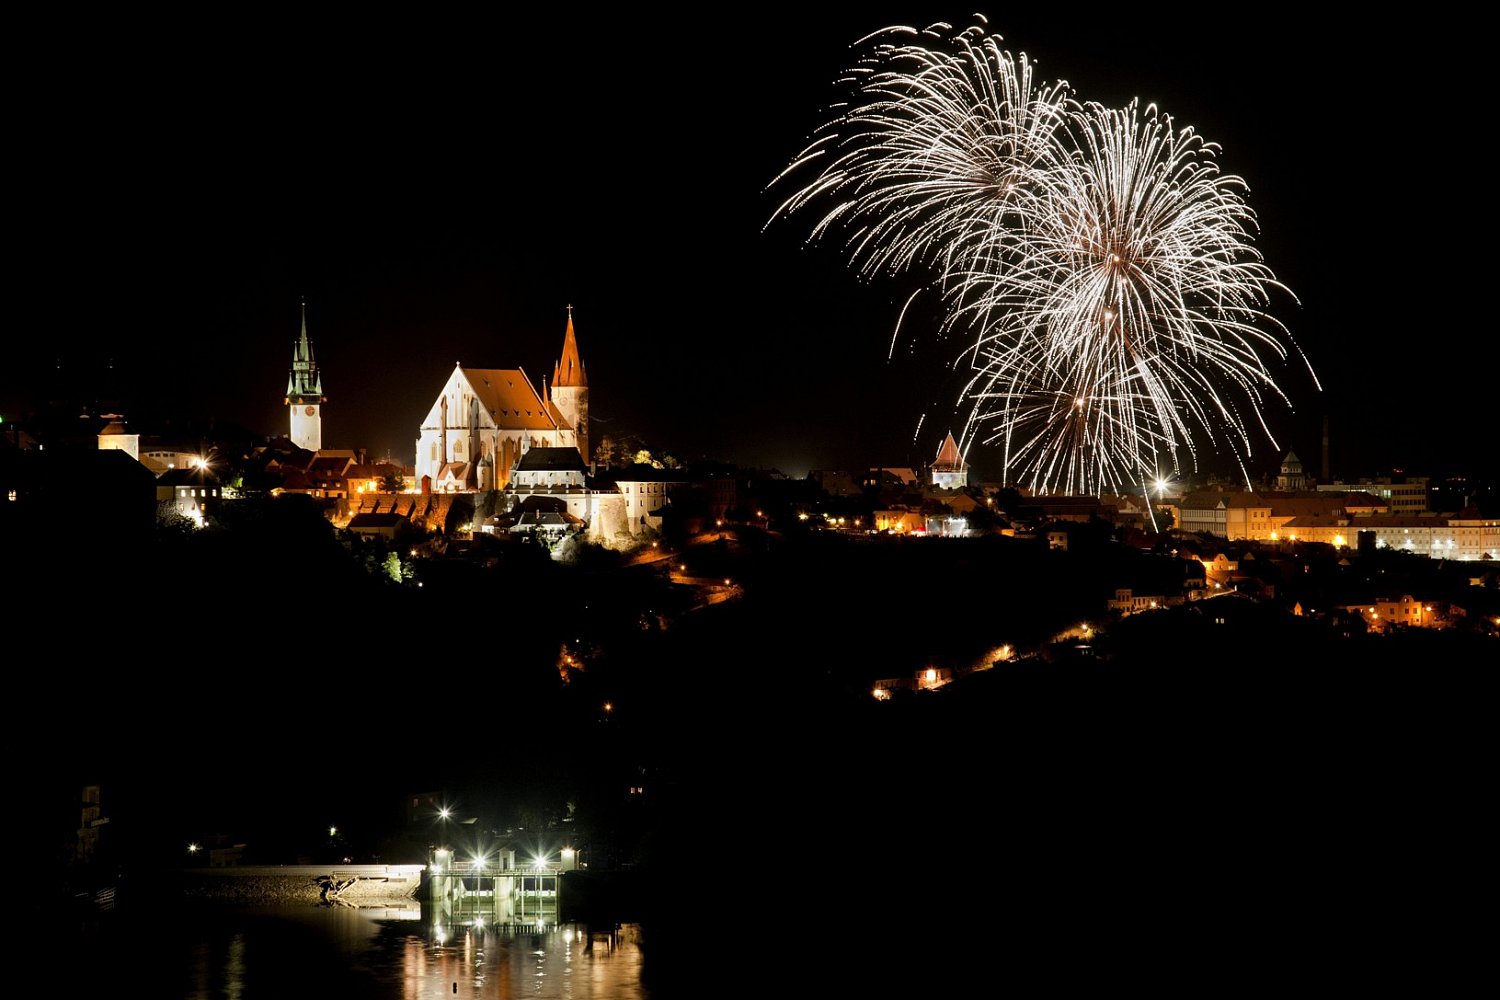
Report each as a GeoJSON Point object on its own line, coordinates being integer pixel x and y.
{"type": "Point", "coordinates": [568, 852]}
{"type": "Point", "coordinates": [192, 848]}
{"type": "Point", "coordinates": [445, 812]}
{"type": "Point", "coordinates": [931, 675]}
{"type": "Point", "coordinates": [333, 831]}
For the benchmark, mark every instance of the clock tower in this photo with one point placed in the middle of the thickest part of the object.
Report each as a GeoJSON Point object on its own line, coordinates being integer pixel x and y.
{"type": "Point", "coordinates": [304, 393]}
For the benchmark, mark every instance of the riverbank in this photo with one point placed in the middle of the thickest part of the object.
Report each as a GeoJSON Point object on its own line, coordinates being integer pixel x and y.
{"type": "Point", "coordinates": [356, 885]}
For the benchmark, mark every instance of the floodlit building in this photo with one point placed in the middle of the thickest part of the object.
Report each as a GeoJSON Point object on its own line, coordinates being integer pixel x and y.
{"type": "Point", "coordinates": [949, 470]}
{"type": "Point", "coordinates": [193, 492]}
{"type": "Point", "coordinates": [485, 419]}
{"type": "Point", "coordinates": [1465, 536]}
{"type": "Point", "coordinates": [1384, 613]}
{"type": "Point", "coordinates": [1403, 496]}
{"type": "Point", "coordinates": [304, 393]}
{"type": "Point", "coordinates": [116, 436]}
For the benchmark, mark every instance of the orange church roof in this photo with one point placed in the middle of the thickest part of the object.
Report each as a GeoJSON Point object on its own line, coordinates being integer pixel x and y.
{"type": "Point", "coordinates": [948, 458]}
{"type": "Point", "coordinates": [511, 398]}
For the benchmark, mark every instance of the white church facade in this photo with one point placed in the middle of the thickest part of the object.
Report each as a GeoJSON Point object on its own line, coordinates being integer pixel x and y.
{"type": "Point", "coordinates": [485, 419]}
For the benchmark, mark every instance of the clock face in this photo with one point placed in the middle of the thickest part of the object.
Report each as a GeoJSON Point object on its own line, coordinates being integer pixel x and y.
{"type": "Point", "coordinates": [309, 411]}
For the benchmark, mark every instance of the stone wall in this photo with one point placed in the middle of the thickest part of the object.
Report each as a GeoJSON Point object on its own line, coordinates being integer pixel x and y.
{"type": "Point", "coordinates": [300, 885]}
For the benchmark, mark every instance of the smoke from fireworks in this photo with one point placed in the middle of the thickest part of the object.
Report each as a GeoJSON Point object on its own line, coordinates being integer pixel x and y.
{"type": "Point", "coordinates": [1098, 261]}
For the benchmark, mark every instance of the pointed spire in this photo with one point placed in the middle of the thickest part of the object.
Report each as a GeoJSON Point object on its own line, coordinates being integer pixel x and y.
{"type": "Point", "coordinates": [569, 370]}
{"type": "Point", "coordinates": [304, 381]}
{"type": "Point", "coordinates": [948, 456]}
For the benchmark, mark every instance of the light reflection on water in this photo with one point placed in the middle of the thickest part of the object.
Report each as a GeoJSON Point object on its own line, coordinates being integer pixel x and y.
{"type": "Point", "coordinates": [377, 953]}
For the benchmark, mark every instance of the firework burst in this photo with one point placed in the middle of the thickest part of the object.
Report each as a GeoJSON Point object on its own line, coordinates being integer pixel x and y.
{"type": "Point", "coordinates": [1099, 262]}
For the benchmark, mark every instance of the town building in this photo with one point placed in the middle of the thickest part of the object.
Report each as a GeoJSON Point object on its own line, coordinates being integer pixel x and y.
{"type": "Point", "coordinates": [304, 393]}
{"type": "Point", "coordinates": [949, 470]}
{"type": "Point", "coordinates": [193, 492]}
{"type": "Point", "coordinates": [119, 437]}
{"type": "Point", "coordinates": [1292, 479]}
{"type": "Point", "coordinates": [559, 474]}
{"type": "Point", "coordinates": [1466, 536]}
{"type": "Point", "coordinates": [646, 491]}
{"type": "Point", "coordinates": [485, 419]}
{"type": "Point", "coordinates": [1265, 515]}
{"type": "Point", "coordinates": [1406, 495]}
{"type": "Point", "coordinates": [1384, 613]}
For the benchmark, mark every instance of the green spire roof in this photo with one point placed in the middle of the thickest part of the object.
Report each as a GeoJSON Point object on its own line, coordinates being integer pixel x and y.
{"type": "Point", "coordinates": [304, 383]}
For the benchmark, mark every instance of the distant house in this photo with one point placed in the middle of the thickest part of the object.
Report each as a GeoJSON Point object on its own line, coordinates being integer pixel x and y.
{"type": "Point", "coordinates": [193, 492]}
{"type": "Point", "coordinates": [884, 476]}
{"type": "Point", "coordinates": [900, 521]}
{"type": "Point", "coordinates": [1385, 613]}
{"type": "Point", "coordinates": [646, 491]}
{"type": "Point", "coordinates": [541, 517]}
{"type": "Point", "coordinates": [369, 477]}
{"type": "Point", "coordinates": [389, 526]}
{"type": "Point", "coordinates": [117, 436]}
{"type": "Point", "coordinates": [1126, 601]}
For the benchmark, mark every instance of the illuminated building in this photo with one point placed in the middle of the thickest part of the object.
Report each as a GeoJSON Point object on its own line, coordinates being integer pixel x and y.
{"type": "Point", "coordinates": [1291, 478]}
{"type": "Point", "coordinates": [304, 393]}
{"type": "Point", "coordinates": [1403, 496]}
{"type": "Point", "coordinates": [193, 492]}
{"type": "Point", "coordinates": [117, 436]}
{"type": "Point", "coordinates": [949, 470]}
{"type": "Point", "coordinates": [485, 419]}
{"type": "Point", "coordinates": [646, 490]}
{"type": "Point", "coordinates": [1265, 515]}
{"type": "Point", "coordinates": [559, 474]}
{"type": "Point", "coordinates": [1464, 536]}
{"type": "Point", "coordinates": [1384, 613]}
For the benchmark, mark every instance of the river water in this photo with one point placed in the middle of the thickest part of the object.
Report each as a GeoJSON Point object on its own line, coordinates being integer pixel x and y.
{"type": "Point", "coordinates": [209, 952]}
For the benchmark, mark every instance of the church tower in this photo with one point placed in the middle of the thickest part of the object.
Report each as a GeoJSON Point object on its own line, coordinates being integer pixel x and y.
{"type": "Point", "coordinates": [304, 393]}
{"type": "Point", "coordinates": [949, 470]}
{"type": "Point", "coordinates": [570, 389]}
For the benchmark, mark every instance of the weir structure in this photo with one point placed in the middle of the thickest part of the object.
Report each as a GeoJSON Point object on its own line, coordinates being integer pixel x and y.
{"type": "Point", "coordinates": [492, 890]}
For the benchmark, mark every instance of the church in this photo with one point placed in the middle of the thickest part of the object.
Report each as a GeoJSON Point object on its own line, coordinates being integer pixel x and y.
{"type": "Point", "coordinates": [485, 419]}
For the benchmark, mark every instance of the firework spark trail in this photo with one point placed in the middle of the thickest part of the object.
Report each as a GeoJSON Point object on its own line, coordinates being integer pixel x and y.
{"type": "Point", "coordinates": [1099, 260]}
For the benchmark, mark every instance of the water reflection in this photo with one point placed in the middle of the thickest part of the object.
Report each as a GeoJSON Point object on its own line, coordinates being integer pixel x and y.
{"type": "Point", "coordinates": [537, 959]}
{"type": "Point", "coordinates": [378, 953]}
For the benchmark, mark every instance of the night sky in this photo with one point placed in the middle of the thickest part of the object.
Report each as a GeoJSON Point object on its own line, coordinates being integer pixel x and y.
{"type": "Point", "coordinates": [440, 191]}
